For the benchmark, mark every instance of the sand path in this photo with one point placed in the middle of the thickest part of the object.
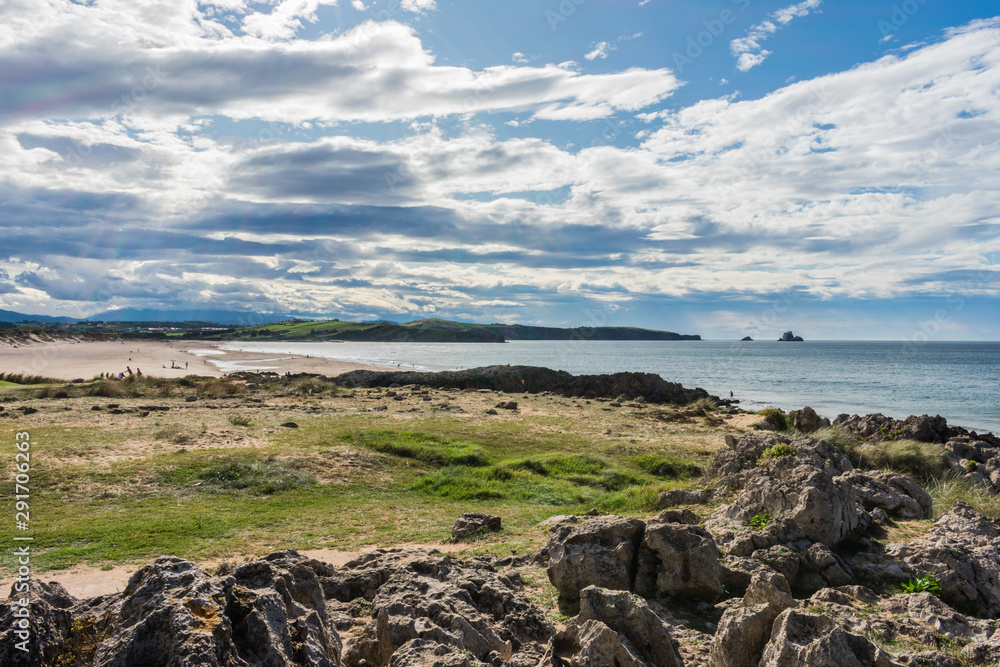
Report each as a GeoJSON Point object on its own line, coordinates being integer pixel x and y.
{"type": "Point", "coordinates": [70, 360]}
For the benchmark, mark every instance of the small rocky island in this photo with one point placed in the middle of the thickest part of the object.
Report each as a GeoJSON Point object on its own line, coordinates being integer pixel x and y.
{"type": "Point", "coordinates": [746, 339]}
{"type": "Point", "coordinates": [788, 336]}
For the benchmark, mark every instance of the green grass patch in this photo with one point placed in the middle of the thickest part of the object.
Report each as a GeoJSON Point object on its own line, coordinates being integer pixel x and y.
{"type": "Point", "coordinates": [777, 419]}
{"type": "Point", "coordinates": [633, 499]}
{"type": "Point", "coordinates": [430, 449]}
{"type": "Point", "coordinates": [667, 467]}
{"type": "Point", "coordinates": [949, 488]}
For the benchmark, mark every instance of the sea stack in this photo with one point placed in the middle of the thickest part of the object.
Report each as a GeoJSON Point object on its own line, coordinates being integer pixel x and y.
{"type": "Point", "coordinates": [746, 339]}
{"type": "Point", "coordinates": [789, 336]}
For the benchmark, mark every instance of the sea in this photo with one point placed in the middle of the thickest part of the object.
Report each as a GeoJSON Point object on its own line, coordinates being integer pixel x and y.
{"type": "Point", "coordinates": [958, 380]}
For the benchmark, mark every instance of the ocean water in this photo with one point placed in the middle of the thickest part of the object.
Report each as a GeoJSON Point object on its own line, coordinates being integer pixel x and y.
{"type": "Point", "coordinates": [960, 381]}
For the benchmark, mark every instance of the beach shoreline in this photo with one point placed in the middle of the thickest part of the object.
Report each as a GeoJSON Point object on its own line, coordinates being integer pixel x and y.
{"type": "Point", "coordinates": [70, 360]}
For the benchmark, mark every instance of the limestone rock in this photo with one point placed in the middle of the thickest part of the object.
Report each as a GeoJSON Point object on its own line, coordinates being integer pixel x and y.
{"type": "Point", "coordinates": [680, 560]}
{"type": "Point", "coordinates": [683, 497]}
{"type": "Point", "coordinates": [423, 653]}
{"type": "Point", "coordinates": [467, 605]}
{"type": "Point", "coordinates": [474, 523]}
{"type": "Point", "coordinates": [599, 552]}
{"type": "Point", "coordinates": [807, 421]}
{"type": "Point", "coordinates": [629, 616]}
{"type": "Point", "coordinates": [742, 635]}
{"type": "Point", "coordinates": [590, 644]}
{"type": "Point", "coordinates": [49, 623]}
{"type": "Point", "coordinates": [898, 495]}
{"type": "Point", "coordinates": [816, 640]}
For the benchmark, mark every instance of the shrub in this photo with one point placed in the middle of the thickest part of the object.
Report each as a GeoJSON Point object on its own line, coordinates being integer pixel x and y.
{"type": "Point", "coordinates": [239, 420]}
{"type": "Point", "coordinates": [924, 584]}
{"type": "Point", "coordinates": [760, 520]}
{"type": "Point", "coordinates": [260, 477]}
{"type": "Point", "coordinates": [775, 418]}
{"type": "Point", "coordinates": [775, 452]}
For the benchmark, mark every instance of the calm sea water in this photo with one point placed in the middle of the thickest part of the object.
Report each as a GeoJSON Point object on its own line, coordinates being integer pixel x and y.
{"type": "Point", "coordinates": [958, 380]}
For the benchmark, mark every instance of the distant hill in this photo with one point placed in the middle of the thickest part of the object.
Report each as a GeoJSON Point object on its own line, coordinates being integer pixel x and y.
{"type": "Point", "coordinates": [525, 332]}
{"type": "Point", "coordinates": [434, 330]}
{"type": "Point", "coordinates": [11, 316]}
{"type": "Point", "coordinates": [228, 317]}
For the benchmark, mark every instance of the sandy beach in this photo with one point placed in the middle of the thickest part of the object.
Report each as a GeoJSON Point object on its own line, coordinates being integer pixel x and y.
{"type": "Point", "coordinates": [72, 360]}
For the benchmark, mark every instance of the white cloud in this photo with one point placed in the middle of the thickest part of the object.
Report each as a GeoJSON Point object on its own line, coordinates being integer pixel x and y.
{"type": "Point", "coordinates": [748, 50]}
{"type": "Point", "coordinates": [358, 5]}
{"type": "Point", "coordinates": [284, 20]}
{"type": "Point", "coordinates": [418, 5]}
{"type": "Point", "coordinates": [519, 58]}
{"type": "Point", "coordinates": [375, 72]}
{"type": "Point", "coordinates": [600, 51]}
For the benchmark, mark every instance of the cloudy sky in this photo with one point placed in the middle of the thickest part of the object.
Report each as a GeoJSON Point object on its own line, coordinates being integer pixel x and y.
{"type": "Point", "coordinates": [720, 167]}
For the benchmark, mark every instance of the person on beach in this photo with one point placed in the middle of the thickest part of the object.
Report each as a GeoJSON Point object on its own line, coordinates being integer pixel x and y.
{"type": "Point", "coordinates": [138, 373]}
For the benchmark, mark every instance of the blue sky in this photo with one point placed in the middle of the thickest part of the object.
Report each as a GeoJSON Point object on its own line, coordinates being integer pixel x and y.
{"type": "Point", "coordinates": [727, 168]}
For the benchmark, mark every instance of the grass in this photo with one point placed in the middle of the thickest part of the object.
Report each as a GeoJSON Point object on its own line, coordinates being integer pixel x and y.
{"type": "Point", "coordinates": [924, 461]}
{"type": "Point", "coordinates": [946, 489]}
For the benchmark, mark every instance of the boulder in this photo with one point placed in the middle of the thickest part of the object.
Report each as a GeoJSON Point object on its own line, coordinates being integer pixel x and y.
{"type": "Point", "coordinates": [898, 495]}
{"type": "Point", "coordinates": [807, 421]}
{"type": "Point", "coordinates": [424, 653]}
{"type": "Point", "coordinates": [599, 552]}
{"type": "Point", "coordinates": [49, 623]}
{"type": "Point", "coordinates": [270, 611]}
{"type": "Point", "coordinates": [466, 605]}
{"type": "Point", "coordinates": [629, 616]}
{"type": "Point", "coordinates": [472, 524]}
{"type": "Point", "coordinates": [590, 643]}
{"type": "Point", "coordinates": [679, 560]}
{"type": "Point", "coordinates": [742, 635]}
{"type": "Point", "coordinates": [816, 640]}
{"type": "Point", "coordinates": [361, 577]}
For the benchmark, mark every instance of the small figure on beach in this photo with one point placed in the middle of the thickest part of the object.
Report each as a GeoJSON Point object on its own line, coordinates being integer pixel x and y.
{"type": "Point", "coordinates": [138, 373]}
{"type": "Point", "coordinates": [185, 364]}
{"type": "Point", "coordinates": [128, 369]}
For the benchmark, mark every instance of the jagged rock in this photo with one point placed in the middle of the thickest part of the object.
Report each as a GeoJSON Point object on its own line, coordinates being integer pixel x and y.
{"type": "Point", "coordinates": [270, 611]}
{"type": "Point", "coordinates": [589, 644]}
{"type": "Point", "coordinates": [816, 640]}
{"type": "Point", "coordinates": [680, 560]}
{"type": "Point", "coordinates": [683, 497]}
{"type": "Point", "coordinates": [897, 494]}
{"type": "Point", "coordinates": [424, 653]}
{"type": "Point", "coordinates": [807, 421]}
{"type": "Point", "coordinates": [738, 463]}
{"type": "Point", "coordinates": [173, 613]}
{"type": "Point", "coordinates": [769, 588]}
{"type": "Point", "coordinates": [466, 605]}
{"type": "Point", "coordinates": [48, 622]}
{"type": "Point", "coordinates": [629, 616]}
{"type": "Point", "coordinates": [474, 523]}
{"type": "Point", "coordinates": [742, 635]}
{"type": "Point", "coordinates": [364, 575]}
{"type": "Point", "coordinates": [789, 336]}
{"type": "Point", "coordinates": [599, 552]}
{"type": "Point", "coordinates": [877, 427]}
{"type": "Point", "coordinates": [962, 552]}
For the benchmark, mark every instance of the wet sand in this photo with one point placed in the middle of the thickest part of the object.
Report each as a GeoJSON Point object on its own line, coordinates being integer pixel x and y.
{"type": "Point", "coordinates": [86, 360]}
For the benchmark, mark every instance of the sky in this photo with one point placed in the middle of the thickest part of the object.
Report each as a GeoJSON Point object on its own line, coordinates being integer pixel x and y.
{"type": "Point", "coordinates": [720, 167]}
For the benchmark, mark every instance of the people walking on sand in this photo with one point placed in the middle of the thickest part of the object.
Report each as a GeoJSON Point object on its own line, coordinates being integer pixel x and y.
{"type": "Point", "coordinates": [138, 373]}
{"type": "Point", "coordinates": [128, 369]}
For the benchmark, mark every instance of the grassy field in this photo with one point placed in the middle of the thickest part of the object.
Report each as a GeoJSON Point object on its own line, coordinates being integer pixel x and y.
{"type": "Point", "coordinates": [220, 476]}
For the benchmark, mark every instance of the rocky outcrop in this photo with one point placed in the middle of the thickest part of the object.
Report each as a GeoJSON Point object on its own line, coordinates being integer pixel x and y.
{"type": "Point", "coordinates": [817, 640]}
{"type": "Point", "coordinates": [789, 336]}
{"type": "Point", "coordinates": [678, 559]}
{"type": "Point", "coordinates": [534, 380]}
{"type": "Point", "coordinates": [877, 427]}
{"type": "Point", "coordinates": [807, 421]}
{"type": "Point", "coordinates": [468, 606]}
{"type": "Point", "coordinates": [43, 630]}
{"type": "Point", "coordinates": [962, 552]}
{"type": "Point", "coordinates": [601, 552]}
{"type": "Point", "coordinates": [613, 628]}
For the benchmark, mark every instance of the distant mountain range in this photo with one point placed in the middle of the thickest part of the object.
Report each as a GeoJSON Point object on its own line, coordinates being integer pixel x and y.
{"type": "Point", "coordinates": [256, 326]}
{"type": "Point", "coordinates": [438, 330]}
